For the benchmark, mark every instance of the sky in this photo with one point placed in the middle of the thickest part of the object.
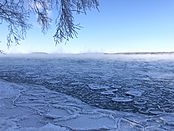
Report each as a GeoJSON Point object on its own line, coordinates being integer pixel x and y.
{"type": "Point", "coordinates": [118, 26]}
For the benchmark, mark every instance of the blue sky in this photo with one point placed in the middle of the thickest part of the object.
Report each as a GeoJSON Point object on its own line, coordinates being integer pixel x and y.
{"type": "Point", "coordinates": [120, 26]}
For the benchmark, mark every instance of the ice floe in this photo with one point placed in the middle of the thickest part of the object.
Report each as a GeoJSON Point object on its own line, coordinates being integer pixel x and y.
{"type": "Point", "coordinates": [134, 92]}
{"type": "Point", "coordinates": [122, 99]}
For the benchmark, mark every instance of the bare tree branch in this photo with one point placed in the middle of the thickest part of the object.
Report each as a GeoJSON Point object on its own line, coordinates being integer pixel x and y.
{"type": "Point", "coordinates": [17, 13]}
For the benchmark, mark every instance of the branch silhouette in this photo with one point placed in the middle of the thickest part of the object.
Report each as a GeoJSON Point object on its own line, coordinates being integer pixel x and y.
{"type": "Point", "coordinates": [17, 13]}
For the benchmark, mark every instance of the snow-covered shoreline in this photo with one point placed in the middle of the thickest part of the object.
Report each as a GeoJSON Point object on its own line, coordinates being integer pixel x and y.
{"type": "Point", "coordinates": [35, 108]}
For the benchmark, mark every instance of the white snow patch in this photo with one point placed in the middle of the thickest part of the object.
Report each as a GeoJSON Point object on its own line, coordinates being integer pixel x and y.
{"type": "Point", "coordinates": [109, 92]}
{"type": "Point", "coordinates": [122, 99]}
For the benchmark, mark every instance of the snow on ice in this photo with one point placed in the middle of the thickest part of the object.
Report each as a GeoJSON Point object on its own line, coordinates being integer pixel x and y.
{"type": "Point", "coordinates": [114, 94]}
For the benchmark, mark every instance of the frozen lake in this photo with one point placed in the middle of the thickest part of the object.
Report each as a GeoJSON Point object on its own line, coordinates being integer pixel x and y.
{"type": "Point", "coordinates": [138, 84]}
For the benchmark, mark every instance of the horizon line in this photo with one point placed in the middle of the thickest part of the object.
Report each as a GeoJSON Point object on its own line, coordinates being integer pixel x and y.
{"type": "Point", "coordinates": [114, 53]}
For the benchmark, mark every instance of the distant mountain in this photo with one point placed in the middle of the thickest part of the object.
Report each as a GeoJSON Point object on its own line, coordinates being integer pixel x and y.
{"type": "Point", "coordinates": [39, 53]}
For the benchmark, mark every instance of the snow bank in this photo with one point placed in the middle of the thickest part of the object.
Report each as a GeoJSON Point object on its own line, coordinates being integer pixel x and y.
{"type": "Point", "coordinates": [35, 108]}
